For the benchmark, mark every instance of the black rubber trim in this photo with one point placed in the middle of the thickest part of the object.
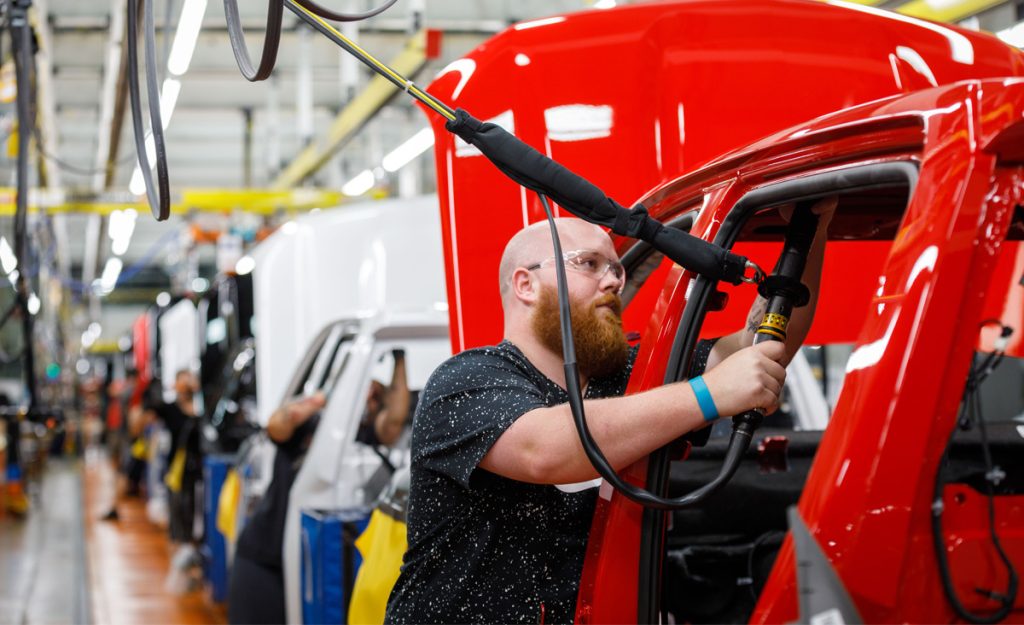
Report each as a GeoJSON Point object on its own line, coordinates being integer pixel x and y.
{"type": "Point", "coordinates": [158, 194]}
{"type": "Point", "coordinates": [811, 187]}
{"type": "Point", "coordinates": [327, 14]}
{"type": "Point", "coordinates": [271, 41]}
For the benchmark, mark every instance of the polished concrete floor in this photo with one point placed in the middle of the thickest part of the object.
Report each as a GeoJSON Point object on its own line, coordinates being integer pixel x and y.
{"type": "Point", "coordinates": [61, 564]}
{"type": "Point", "coordinates": [43, 567]}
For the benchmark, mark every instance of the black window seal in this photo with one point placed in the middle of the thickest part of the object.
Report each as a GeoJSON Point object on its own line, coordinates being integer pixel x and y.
{"type": "Point", "coordinates": [806, 188]}
{"type": "Point", "coordinates": [809, 187]}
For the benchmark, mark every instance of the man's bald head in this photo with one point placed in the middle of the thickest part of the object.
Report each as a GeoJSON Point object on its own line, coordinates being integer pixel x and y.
{"type": "Point", "coordinates": [532, 244]}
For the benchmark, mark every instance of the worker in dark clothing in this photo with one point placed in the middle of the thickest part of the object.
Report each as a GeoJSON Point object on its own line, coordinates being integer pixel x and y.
{"type": "Point", "coordinates": [499, 510]}
{"type": "Point", "coordinates": [256, 592]}
{"type": "Point", "coordinates": [183, 472]}
{"type": "Point", "coordinates": [388, 407]}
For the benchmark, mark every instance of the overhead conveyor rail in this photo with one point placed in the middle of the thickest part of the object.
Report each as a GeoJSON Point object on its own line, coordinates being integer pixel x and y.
{"type": "Point", "coordinates": [256, 201]}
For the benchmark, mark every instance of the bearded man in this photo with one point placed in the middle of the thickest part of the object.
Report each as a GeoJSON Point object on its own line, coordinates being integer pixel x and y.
{"type": "Point", "coordinates": [492, 536]}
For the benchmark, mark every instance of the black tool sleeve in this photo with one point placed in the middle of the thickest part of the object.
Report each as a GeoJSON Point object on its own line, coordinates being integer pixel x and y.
{"type": "Point", "coordinates": [537, 172]}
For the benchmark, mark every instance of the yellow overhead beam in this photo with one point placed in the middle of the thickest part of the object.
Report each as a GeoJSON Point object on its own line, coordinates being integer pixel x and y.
{"type": "Point", "coordinates": [948, 11]}
{"type": "Point", "coordinates": [261, 202]}
{"type": "Point", "coordinates": [359, 111]}
{"type": "Point", "coordinates": [258, 201]}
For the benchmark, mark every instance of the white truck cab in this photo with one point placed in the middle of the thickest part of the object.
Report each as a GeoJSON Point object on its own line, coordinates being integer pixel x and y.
{"type": "Point", "coordinates": [334, 293]}
{"type": "Point", "coordinates": [339, 471]}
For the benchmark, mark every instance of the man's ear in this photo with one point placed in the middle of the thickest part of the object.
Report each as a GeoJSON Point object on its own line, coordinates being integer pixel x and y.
{"type": "Point", "coordinates": [524, 287]}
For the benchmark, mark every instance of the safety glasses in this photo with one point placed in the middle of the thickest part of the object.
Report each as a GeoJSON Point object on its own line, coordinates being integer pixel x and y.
{"type": "Point", "coordinates": [589, 263]}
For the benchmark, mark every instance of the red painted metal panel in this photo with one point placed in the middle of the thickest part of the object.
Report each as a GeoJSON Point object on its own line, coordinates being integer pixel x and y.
{"type": "Point", "coordinates": [915, 303]}
{"type": "Point", "coordinates": [635, 96]}
{"type": "Point", "coordinates": [637, 99]}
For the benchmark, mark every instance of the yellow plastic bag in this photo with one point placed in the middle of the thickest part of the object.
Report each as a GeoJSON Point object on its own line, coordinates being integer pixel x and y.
{"type": "Point", "coordinates": [175, 472]}
{"type": "Point", "coordinates": [382, 546]}
{"type": "Point", "coordinates": [227, 505]}
{"type": "Point", "coordinates": [139, 449]}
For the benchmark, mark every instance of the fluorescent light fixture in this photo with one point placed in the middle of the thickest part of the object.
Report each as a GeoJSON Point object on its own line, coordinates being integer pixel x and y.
{"type": "Point", "coordinates": [120, 246]}
{"type": "Point", "coordinates": [939, 5]}
{"type": "Point", "coordinates": [245, 265]}
{"type": "Point", "coordinates": [604, 4]}
{"type": "Point", "coordinates": [33, 304]}
{"type": "Point", "coordinates": [8, 260]}
{"type": "Point", "coordinates": [120, 227]}
{"type": "Point", "coordinates": [185, 38]}
{"type": "Point", "coordinates": [137, 186]}
{"type": "Point", "coordinates": [168, 100]}
{"type": "Point", "coordinates": [359, 185]}
{"type": "Point", "coordinates": [111, 272]}
{"type": "Point", "coordinates": [405, 153]}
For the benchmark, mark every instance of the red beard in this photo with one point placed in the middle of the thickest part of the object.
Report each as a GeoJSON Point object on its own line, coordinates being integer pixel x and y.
{"type": "Point", "coordinates": [601, 346]}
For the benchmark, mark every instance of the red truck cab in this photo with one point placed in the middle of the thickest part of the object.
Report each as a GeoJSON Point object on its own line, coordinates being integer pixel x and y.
{"type": "Point", "coordinates": [917, 128]}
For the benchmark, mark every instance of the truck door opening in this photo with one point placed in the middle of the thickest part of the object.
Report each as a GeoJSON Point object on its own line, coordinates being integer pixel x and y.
{"type": "Point", "coordinates": [717, 555]}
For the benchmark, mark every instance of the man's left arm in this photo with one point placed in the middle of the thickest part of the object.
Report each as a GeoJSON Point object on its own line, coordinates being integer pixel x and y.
{"type": "Point", "coordinates": [800, 321]}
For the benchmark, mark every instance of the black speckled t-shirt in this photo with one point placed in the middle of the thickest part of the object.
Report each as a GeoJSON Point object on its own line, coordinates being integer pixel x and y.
{"type": "Point", "coordinates": [484, 548]}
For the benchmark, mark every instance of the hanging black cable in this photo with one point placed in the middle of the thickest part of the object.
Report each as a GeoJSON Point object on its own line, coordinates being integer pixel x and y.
{"type": "Point", "coordinates": [71, 167]}
{"type": "Point", "coordinates": [970, 415]}
{"type": "Point", "coordinates": [271, 41]}
{"type": "Point", "coordinates": [344, 17]}
{"type": "Point", "coordinates": [159, 193]}
{"type": "Point", "coordinates": [22, 44]}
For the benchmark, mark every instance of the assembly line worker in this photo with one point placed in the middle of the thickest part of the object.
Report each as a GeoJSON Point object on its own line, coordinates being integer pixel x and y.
{"type": "Point", "coordinates": [256, 589]}
{"type": "Point", "coordinates": [181, 421]}
{"type": "Point", "coordinates": [491, 538]}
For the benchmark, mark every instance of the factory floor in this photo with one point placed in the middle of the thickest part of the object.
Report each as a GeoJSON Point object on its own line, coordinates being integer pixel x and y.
{"type": "Point", "coordinates": [61, 563]}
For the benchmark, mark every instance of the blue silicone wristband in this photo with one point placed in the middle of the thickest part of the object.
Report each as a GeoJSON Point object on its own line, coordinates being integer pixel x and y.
{"type": "Point", "coordinates": [704, 400]}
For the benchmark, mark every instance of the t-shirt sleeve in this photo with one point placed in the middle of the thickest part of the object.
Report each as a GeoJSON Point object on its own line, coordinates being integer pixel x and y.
{"type": "Point", "coordinates": [699, 364]}
{"type": "Point", "coordinates": [467, 404]}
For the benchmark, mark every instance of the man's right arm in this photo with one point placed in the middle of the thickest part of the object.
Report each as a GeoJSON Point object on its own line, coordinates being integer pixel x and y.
{"type": "Point", "coordinates": [543, 447]}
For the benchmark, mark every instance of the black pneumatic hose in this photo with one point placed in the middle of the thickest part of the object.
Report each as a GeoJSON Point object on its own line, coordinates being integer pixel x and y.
{"type": "Point", "coordinates": [1007, 599]}
{"type": "Point", "coordinates": [738, 444]}
{"type": "Point", "coordinates": [21, 40]}
{"type": "Point", "coordinates": [158, 194]}
{"type": "Point", "coordinates": [328, 14]}
{"type": "Point", "coordinates": [271, 41]}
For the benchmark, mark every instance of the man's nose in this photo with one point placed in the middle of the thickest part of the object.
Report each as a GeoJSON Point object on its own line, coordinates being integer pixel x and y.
{"type": "Point", "coordinates": [610, 283]}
